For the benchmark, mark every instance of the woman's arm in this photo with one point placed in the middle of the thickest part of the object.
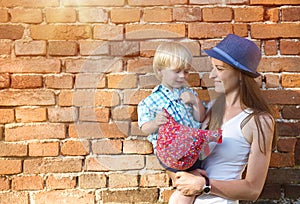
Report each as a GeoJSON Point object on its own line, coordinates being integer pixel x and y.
{"type": "Point", "coordinates": [251, 186]}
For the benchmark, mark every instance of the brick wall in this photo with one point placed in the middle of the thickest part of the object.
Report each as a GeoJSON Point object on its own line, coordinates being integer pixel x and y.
{"type": "Point", "coordinates": [73, 71]}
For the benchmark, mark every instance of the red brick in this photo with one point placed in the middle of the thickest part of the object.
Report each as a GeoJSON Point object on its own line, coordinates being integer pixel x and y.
{"type": "Point", "coordinates": [5, 47]}
{"type": "Point", "coordinates": [1, 132]}
{"type": "Point", "coordinates": [108, 32]}
{"type": "Point", "coordinates": [280, 160]}
{"type": "Point", "coordinates": [267, 31]}
{"type": "Point", "coordinates": [64, 196]}
{"type": "Point", "coordinates": [146, 31]}
{"type": "Point", "coordinates": [124, 113]}
{"type": "Point", "coordinates": [107, 147]}
{"type": "Point", "coordinates": [12, 166]}
{"type": "Point", "coordinates": [282, 64]}
{"type": "Point", "coordinates": [141, 65]}
{"type": "Point", "coordinates": [17, 98]}
{"type": "Point", "coordinates": [33, 3]}
{"type": "Point", "coordinates": [30, 114]}
{"type": "Point", "coordinates": [52, 165]}
{"type": "Point", "coordinates": [4, 80]}
{"type": "Point", "coordinates": [56, 182]}
{"type": "Point", "coordinates": [125, 15]}
{"type": "Point", "coordinates": [249, 14]}
{"type": "Point", "coordinates": [37, 131]}
{"type": "Point", "coordinates": [272, 14]}
{"type": "Point", "coordinates": [288, 128]}
{"type": "Point", "coordinates": [240, 29]}
{"type": "Point", "coordinates": [187, 14]}
{"type": "Point", "coordinates": [154, 179]}
{"type": "Point", "coordinates": [118, 180]}
{"type": "Point", "coordinates": [12, 32]}
{"type": "Point", "coordinates": [27, 183]}
{"type": "Point", "coordinates": [90, 81]}
{"type": "Point", "coordinates": [291, 112]}
{"type": "Point", "coordinates": [290, 14]}
{"type": "Point", "coordinates": [137, 147]}
{"type": "Point", "coordinates": [290, 80]}
{"type": "Point", "coordinates": [115, 163]}
{"type": "Point", "coordinates": [209, 30]}
{"type": "Point", "coordinates": [47, 149]}
{"type": "Point", "coordinates": [60, 15]}
{"type": "Point", "coordinates": [152, 163]}
{"type": "Point", "coordinates": [107, 98]}
{"type": "Point", "coordinates": [4, 184]}
{"type": "Point", "coordinates": [272, 81]}
{"type": "Point", "coordinates": [92, 181]}
{"type": "Point", "coordinates": [133, 97]}
{"type": "Point", "coordinates": [59, 81]}
{"type": "Point", "coordinates": [156, 2]}
{"type": "Point", "coordinates": [217, 14]}
{"type": "Point", "coordinates": [75, 148]}
{"type": "Point", "coordinates": [12, 149]}
{"type": "Point", "coordinates": [142, 195]}
{"type": "Point", "coordinates": [65, 114]}
{"type": "Point", "coordinates": [90, 130]}
{"type": "Point", "coordinates": [157, 14]}
{"type": "Point", "coordinates": [30, 48]}
{"type": "Point", "coordinates": [124, 49]}
{"type": "Point", "coordinates": [92, 15]}
{"type": "Point", "coordinates": [122, 81]}
{"type": "Point", "coordinates": [93, 3]}
{"type": "Point", "coordinates": [4, 17]}
{"type": "Point", "coordinates": [292, 191]}
{"type": "Point", "coordinates": [30, 65]}
{"type": "Point", "coordinates": [65, 98]}
{"type": "Point", "coordinates": [94, 114]}
{"type": "Point", "coordinates": [14, 197]}
{"type": "Point", "coordinates": [62, 48]}
{"type": "Point", "coordinates": [21, 15]}
{"type": "Point", "coordinates": [193, 79]}
{"type": "Point", "coordinates": [289, 47]}
{"type": "Point", "coordinates": [59, 32]}
{"type": "Point", "coordinates": [286, 145]}
{"type": "Point", "coordinates": [270, 47]}
{"type": "Point", "coordinates": [93, 48]}
{"type": "Point", "coordinates": [26, 81]}
{"type": "Point", "coordinates": [6, 116]}
{"type": "Point", "coordinates": [271, 191]}
{"type": "Point", "coordinates": [282, 96]}
{"type": "Point", "coordinates": [94, 66]}
{"type": "Point", "coordinates": [148, 81]}
{"type": "Point", "coordinates": [274, 2]}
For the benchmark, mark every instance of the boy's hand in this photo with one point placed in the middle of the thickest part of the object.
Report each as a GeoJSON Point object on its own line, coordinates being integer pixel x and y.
{"type": "Point", "coordinates": [189, 98]}
{"type": "Point", "coordinates": [160, 119]}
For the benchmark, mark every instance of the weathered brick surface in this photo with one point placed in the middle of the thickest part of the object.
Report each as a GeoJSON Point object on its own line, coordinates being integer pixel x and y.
{"type": "Point", "coordinates": [72, 74]}
{"type": "Point", "coordinates": [55, 182]}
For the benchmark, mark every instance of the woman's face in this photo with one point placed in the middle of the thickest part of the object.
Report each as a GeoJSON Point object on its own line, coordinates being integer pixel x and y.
{"type": "Point", "coordinates": [226, 79]}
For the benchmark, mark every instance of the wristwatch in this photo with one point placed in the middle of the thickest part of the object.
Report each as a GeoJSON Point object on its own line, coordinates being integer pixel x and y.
{"type": "Point", "coordinates": [206, 188]}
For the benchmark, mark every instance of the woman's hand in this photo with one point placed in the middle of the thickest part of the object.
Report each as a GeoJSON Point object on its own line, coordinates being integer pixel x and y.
{"type": "Point", "coordinates": [190, 183]}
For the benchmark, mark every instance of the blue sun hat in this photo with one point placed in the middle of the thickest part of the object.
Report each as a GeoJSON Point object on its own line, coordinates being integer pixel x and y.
{"type": "Point", "coordinates": [238, 52]}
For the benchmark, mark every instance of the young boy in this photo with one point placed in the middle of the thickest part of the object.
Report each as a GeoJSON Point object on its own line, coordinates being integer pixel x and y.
{"type": "Point", "coordinates": [171, 64]}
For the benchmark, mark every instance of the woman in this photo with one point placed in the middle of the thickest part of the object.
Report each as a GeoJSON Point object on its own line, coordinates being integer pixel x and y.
{"type": "Point", "coordinates": [248, 129]}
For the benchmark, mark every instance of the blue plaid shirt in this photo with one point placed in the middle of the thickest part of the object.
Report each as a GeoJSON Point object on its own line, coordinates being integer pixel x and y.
{"type": "Point", "coordinates": [161, 97]}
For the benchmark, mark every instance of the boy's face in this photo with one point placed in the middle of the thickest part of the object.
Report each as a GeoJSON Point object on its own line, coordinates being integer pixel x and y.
{"type": "Point", "coordinates": [173, 78]}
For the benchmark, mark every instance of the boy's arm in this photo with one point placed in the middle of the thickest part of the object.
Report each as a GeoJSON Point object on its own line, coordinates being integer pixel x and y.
{"type": "Point", "coordinates": [152, 126]}
{"type": "Point", "coordinates": [198, 108]}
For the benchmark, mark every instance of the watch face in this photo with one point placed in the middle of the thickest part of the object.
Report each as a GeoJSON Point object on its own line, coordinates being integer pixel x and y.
{"type": "Point", "coordinates": [206, 189]}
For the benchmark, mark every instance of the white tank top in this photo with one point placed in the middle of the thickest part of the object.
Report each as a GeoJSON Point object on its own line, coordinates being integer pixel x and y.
{"type": "Point", "coordinates": [228, 160]}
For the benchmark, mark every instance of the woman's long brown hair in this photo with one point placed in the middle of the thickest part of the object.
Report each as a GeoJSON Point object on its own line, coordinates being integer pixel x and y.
{"type": "Point", "coordinates": [250, 97]}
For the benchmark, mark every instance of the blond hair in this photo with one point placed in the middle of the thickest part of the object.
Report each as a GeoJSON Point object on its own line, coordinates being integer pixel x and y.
{"type": "Point", "coordinates": [171, 55]}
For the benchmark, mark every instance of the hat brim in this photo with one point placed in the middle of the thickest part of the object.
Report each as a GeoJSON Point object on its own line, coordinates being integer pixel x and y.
{"type": "Point", "coordinates": [224, 57]}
